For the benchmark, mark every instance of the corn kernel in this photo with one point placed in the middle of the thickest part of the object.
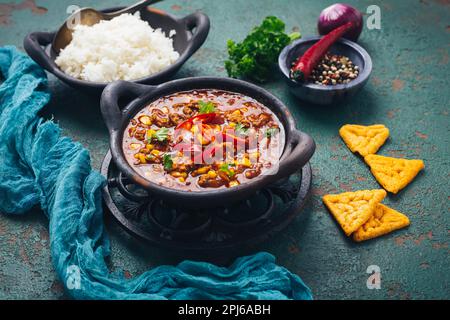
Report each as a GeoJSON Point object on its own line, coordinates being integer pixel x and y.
{"type": "Point", "coordinates": [149, 146]}
{"type": "Point", "coordinates": [155, 152]}
{"type": "Point", "coordinates": [135, 146]}
{"type": "Point", "coordinates": [212, 174]}
{"type": "Point", "coordinates": [234, 183]}
{"type": "Point", "coordinates": [141, 158]}
{"type": "Point", "coordinates": [150, 133]}
{"type": "Point", "coordinates": [246, 162]}
{"type": "Point", "coordinates": [177, 174]}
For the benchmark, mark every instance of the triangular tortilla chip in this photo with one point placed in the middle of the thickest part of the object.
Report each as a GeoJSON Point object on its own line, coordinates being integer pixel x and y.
{"type": "Point", "coordinates": [393, 173]}
{"type": "Point", "coordinates": [383, 221]}
{"type": "Point", "coordinates": [353, 209]}
{"type": "Point", "coordinates": [364, 139]}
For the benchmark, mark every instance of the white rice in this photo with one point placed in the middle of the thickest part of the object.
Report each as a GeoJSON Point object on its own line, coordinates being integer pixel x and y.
{"type": "Point", "coordinates": [124, 48]}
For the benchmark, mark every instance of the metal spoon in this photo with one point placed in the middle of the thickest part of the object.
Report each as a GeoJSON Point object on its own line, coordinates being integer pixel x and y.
{"type": "Point", "coordinates": [89, 17]}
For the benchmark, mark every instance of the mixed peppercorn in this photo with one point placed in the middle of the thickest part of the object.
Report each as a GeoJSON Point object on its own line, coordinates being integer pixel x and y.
{"type": "Point", "coordinates": [334, 69]}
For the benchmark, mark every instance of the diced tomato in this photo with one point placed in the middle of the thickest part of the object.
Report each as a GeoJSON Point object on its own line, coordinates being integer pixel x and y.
{"type": "Point", "coordinates": [203, 118]}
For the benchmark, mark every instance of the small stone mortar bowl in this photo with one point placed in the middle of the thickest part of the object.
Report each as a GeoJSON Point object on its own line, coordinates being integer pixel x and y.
{"type": "Point", "coordinates": [323, 94]}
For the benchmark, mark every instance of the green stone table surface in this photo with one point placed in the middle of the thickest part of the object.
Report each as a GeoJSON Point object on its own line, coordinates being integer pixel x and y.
{"type": "Point", "coordinates": [408, 92]}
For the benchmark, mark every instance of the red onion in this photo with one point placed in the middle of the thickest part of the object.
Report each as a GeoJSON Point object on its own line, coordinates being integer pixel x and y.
{"type": "Point", "coordinates": [338, 14]}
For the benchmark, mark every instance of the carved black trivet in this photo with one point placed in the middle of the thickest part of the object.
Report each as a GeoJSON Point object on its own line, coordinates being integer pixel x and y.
{"type": "Point", "coordinates": [212, 231]}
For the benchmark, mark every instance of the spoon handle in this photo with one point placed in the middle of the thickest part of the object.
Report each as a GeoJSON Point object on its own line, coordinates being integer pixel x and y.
{"type": "Point", "coordinates": [133, 8]}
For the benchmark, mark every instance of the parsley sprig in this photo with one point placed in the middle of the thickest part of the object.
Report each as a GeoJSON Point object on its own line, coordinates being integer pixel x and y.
{"type": "Point", "coordinates": [167, 162]}
{"type": "Point", "coordinates": [254, 57]}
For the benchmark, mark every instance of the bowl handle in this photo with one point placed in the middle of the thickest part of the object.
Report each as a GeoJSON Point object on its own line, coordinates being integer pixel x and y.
{"type": "Point", "coordinates": [299, 150]}
{"type": "Point", "coordinates": [33, 44]}
{"type": "Point", "coordinates": [199, 22]}
{"type": "Point", "coordinates": [113, 93]}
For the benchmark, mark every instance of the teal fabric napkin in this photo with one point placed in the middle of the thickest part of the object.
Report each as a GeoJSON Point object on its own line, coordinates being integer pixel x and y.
{"type": "Point", "coordinates": [38, 166]}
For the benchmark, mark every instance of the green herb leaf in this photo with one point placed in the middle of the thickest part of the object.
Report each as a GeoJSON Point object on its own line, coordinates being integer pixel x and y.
{"type": "Point", "coordinates": [206, 107]}
{"type": "Point", "coordinates": [240, 129]}
{"type": "Point", "coordinates": [225, 167]}
{"type": "Point", "coordinates": [161, 135]}
{"type": "Point", "coordinates": [167, 162]}
{"type": "Point", "coordinates": [271, 132]}
{"type": "Point", "coordinates": [254, 57]}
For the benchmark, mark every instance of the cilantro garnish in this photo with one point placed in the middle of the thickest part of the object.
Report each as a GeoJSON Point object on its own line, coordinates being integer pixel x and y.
{"type": "Point", "coordinates": [225, 167]}
{"type": "Point", "coordinates": [167, 162]}
{"type": "Point", "coordinates": [206, 107]}
{"type": "Point", "coordinates": [240, 129]}
{"type": "Point", "coordinates": [161, 135]}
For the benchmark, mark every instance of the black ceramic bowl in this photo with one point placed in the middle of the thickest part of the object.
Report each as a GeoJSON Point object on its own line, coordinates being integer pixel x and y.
{"type": "Point", "coordinates": [298, 148]}
{"type": "Point", "coordinates": [191, 33]}
{"type": "Point", "coordinates": [319, 94]}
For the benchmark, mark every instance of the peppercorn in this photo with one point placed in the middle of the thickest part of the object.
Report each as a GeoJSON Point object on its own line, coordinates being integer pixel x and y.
{"type": "Point", "coordinates": [334, 69]}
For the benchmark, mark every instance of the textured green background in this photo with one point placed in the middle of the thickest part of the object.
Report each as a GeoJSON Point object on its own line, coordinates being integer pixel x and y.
{"type": "Point", "coordinates": [408, 92]}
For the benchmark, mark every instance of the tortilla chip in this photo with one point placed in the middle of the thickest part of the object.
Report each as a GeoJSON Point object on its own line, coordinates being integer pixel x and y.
{"type": "Point", "coordinates": [364, 139]}
{"type": "Point", "coordinates": [353, 209]}
{"type": "Point", "coordinates": [383, 221]}
{"type": "Point", "coordinates": [393, 173]}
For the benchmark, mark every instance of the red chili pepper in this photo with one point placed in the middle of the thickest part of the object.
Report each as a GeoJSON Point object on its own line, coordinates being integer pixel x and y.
{"type": "Point", "coordinates": [203, 118]}
{"type": "Point", "coordinates": [305, 64]}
